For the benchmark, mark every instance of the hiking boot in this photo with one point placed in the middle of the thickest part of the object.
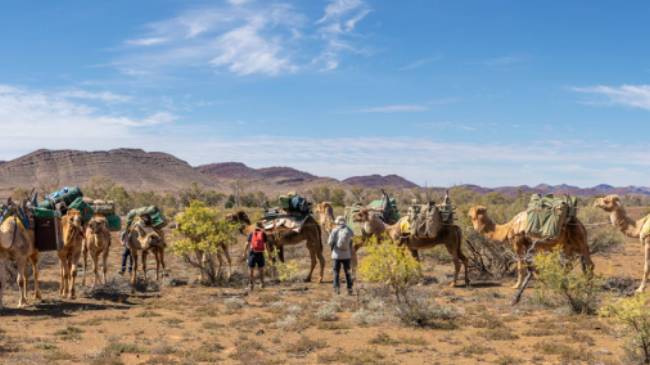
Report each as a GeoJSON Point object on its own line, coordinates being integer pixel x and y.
{"type": "Point", "coordinates": [121, 272]}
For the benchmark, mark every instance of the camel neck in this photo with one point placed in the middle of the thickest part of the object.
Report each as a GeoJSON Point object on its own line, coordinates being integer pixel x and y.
{"type": "Point", "coordinates": [624, 223]}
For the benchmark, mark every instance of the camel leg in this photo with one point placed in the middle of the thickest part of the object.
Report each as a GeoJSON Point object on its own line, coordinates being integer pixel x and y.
{"type": "Point", "coordinates": [521, 271]}
{"type": "Point", "coordinates": [95, 268]}
{"type": "Point", "coordinates": [321, 262]}
{"type": "Point", "coordinates": [2, 280]}
{"type": "Point", "coordinates": [157, 255]}
{"type": "Point", "coordinates": [220, 260]}
{"type": "Point", "coordinates": [646, 267]}
{"type": "Point", "coordinates": [73, 277]}
{"type": "Point", "coordinates": [312, 257]}
{"type": "Point", "coordinates": [457, 263]}
{"type": "Point", "coordinates": [134, 272]}
{"type": "Point", "coordinates": [21, 280]}
{"type": "Point", "coordinates": [84, 252]}
{"type": "Point", "coordinates": [62, 285]}
{"type": "Point", "coordinates": [162, 262]}
{"type": "Point", "coordinates": [144, 266]}
{"type": "Point", "coordinates": [37, 289]}
{"type": "Point", "coordinates": [104, 264]}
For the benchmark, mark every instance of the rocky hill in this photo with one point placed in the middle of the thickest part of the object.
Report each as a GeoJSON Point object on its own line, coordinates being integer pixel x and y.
{"type": "Point", "coordinates": [134, 169]}
{"type": "Point", "coordinates": [378, 181]}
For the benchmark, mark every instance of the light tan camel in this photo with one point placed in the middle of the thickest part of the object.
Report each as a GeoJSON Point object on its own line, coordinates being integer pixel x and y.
{"type": "Point", "coordinates": [450, 235]}
{"type": "Point", "coordinates": [16, 245]}
{"type": "Point", "coordinates": [141, 238]}
{"type": "Point", "coordinates": [97, 243]}
{"type": "Point", "coordinates": [572, 239]}
{"type": "Point", "coordinates": [635, 229]}
{"type": "Point", "coordinates": [310, 234]}
{"type": "Point", "coordinates": [69, 254]}
{"type": "Point", "coordinates": [325, 213]}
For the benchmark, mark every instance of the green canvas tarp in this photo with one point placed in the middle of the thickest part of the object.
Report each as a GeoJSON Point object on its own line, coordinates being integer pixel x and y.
{"type": "Point", "coordinates": [157, 219]}
{"type": "Point", "coordinates": [114, 222]}
{"type": "Point", "coordinates": [547, 215]}
{"type": "Point", "coordinates": [66, 195]}
{"type": "Point", "coordinates": [83, 207]}
{"type": "Point", "coordinates": [45, 213]}
{"type": "Point", "coordinates": [389, 208]}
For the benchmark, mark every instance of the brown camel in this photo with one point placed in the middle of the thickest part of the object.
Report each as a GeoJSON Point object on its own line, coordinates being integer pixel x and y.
{"type": "Point", "coordinates": [572, 239]}
{"type": "Point", "coordinates": [16, 245]}
{"type": "Point", "coordinates": [141, 239]}
{"type": "Point", "coordinates": [325, 213]}
{"type": "Point", "coordinates": [635, 229]}
{"type": "Point", "coordinates": [73, 236]}
{"type": "Point", "coordinates": [97, 242]}
{"type": "Point", "coordinates": [310, 234]}
{"type": "Point", "coordinates": [450, 236]}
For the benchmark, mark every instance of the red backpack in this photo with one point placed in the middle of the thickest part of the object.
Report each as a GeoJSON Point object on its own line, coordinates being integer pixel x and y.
{"type": "Point", "coordinates": [257, 241]}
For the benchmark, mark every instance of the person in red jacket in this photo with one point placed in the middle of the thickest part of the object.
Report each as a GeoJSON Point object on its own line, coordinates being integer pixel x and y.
{"type": "Point", "coordinates": [256, 247]}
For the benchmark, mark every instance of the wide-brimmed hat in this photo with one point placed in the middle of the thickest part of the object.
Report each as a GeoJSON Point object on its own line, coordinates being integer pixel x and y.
{"type": "Point", "coordinates": [340, 220]}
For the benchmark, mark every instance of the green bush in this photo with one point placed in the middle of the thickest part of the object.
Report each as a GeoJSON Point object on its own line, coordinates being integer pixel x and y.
{"type": "Point", "coordinates": [634, 314]}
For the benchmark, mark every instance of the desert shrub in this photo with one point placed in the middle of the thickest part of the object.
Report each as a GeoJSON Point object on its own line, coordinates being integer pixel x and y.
{"type": "Point", "coordinates": [287, 272]}
{"type": "Point", "coordinates": [365, 317]}
{"type": "Point", "coordinates": [233, 304]}
{"type": "Point", "coordinates": [420, 312]}
{"type": "Point", "coordinates": [489, 258]}
{"type": "Point", "coordinates": [392, 266]}
{"type": "Point", "coordinates": [328, 312]}
{"type": "Point", "coordinates": [603, 240]}
{"type": "Point", "coordinates": [202, 231]}
{"type": "Point", "coordinates": [634, 314]}
{"type": "Point", "coordinates": [558, 278]}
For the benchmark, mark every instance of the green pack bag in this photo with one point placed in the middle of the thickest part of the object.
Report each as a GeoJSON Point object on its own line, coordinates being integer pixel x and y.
{"type": "Point", "coordinates": [66, 195]}
{"type": "Point", "coordinates": [45, 213]}
{"type": "Point", "coordinates": [547, 215]}
{"type": "Point", "coordinates": [114, 222]}
{"type": "Point", "coordinates": [84, 208]}
{"type": "Point", "coordinates": [157, 219]}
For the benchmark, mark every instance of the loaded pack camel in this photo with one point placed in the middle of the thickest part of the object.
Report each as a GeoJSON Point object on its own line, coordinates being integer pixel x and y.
{"type": "Point", "coordinates": [325, 213]}
{"type": "Point", "coordinates": [17, 245]}
{"type": "Point", "coordinates": [310, 234]}
{"type": "Point", "coordinates": [97, 243]}
{"type": "Point", "coordinates": [69, 254]}
{"type": "Point", "coordinates": [635, 229]}
{"type": "Point", "coordinates": [572, 239]}
{"type": "Point", "coordinates": [450, 236]}
{"type": "Point", "coordinates": [142, 238]}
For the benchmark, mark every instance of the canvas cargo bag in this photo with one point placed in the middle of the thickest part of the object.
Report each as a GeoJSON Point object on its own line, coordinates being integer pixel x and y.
{"type": "Point", "coordinates": [47, 232]}
{"type": "Point", "coordinates": [83, 207]}
{"type": "Point", "coordinates": [427, 221]}
{"type": "Point", "coordinates": [157, 219]}
{"type": "Point", "coordinates": [388, 207]}
{"type": "Point", "coordinates": [548, 215]}
{"type": "Point", "coordinates": [114, 222]}
{"type": "Point", "coordinates": [67, 195]}
{"type": "Point", "coordinates": [104, 207]}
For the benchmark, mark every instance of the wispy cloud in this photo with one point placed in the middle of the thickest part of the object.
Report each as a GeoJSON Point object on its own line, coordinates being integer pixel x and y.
{"type": "Point", "coordinates": [245, 38]}
{"type": "Point", "coordinates": [104, 96]}
{"type": "Point", "coordinates": [395, 108]}
{"type": "Point", "coordinates": [635, 96]}
{"type": "Point", "coordinates": [419, 63]}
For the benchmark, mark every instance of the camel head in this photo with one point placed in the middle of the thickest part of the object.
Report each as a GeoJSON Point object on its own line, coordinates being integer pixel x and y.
{"type": "Point", "coordinates": [72, 223]}
{"type": "Point", "coordinates": [324, 209]}
{"type": "Point", "coordinates": [361, 216]}
{"type": "Point", "coordinates": [145, 235]}
{"type": "Point", "coordinates": [97, 224]}
{"type": "Point", "coordinates": [478, 216]}
{"type": "Point", "coordinates": [608, 203]}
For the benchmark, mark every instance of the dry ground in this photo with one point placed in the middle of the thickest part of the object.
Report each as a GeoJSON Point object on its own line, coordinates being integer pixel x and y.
{"type": "Point", "coordinates": [287, 323]}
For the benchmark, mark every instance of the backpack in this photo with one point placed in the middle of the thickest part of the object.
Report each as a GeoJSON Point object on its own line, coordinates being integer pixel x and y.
{"type": "Point", "coordinates": [344, 237]}
{"type": "Point", "coordinates": [258, 243]}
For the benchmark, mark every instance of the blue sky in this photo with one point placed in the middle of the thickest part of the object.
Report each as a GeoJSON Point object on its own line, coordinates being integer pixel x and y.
{"type": "Point", "coordinates": [441, 92]}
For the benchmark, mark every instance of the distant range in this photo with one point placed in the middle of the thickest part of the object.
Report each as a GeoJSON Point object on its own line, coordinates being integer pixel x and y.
{"type": "Point", "coordinates": [138, 170]}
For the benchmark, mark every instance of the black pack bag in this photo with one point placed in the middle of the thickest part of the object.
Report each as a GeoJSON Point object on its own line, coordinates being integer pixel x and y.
{"type": "Point", "coordinates": [47, 233]}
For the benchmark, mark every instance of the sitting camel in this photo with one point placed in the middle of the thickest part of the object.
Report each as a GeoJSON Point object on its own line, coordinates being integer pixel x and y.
{"type": "Point", "coordinates": [73, 236]}
{"type": "Point", "coordinates": [450, 236]}
{"type": "Point", "coordinates": [142, 238]}
{"type": "Point", "coordinates": [572, 239]}
{"type": "Point", "coordinates": [18, 246]}
{"type": "Point", "coordinates": [97, 242]}
{"type": "Point", "coordinates": [635, 229]}
{"type": "Point", "coordinates": [325, 213]}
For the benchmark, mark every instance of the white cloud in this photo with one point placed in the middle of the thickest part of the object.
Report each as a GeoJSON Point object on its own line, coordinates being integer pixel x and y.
{"type": "Point", "coordinates": [104, 96]}
{"type": "Point", "coordinates": [419, 63]}
{"type": "Point", "coordinates": [635, 96]}
{"type": "Point", "coordinates": [395, 108]}
{"type": "Point", "coordinates": [30, 115]}
{"type": "Point", "coordinates": [245, 38]}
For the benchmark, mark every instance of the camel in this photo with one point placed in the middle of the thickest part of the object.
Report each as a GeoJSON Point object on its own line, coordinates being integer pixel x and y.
{"type": "Point", "coordinates": [141, 238]}
{"type": "Point", "coordinates": [572, 239]}
{"type": "Point", "coordinates": [97, 242]}
{"type": "Point", "coordinates": [325, 214]}
{"type": "Point", "coordinates": [450, 236]}
{"type": "Point", "coordinates": [17, 245]}
{"type": "Point", "coordinates": [310, 234]}
{"type": "Point", "coordinates": [634, 229]}
{"type": "Point", "coordinates": [69, 254]}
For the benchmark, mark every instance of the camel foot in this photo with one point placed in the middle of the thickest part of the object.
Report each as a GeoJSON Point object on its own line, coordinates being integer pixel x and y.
{"type": "Point", "coordinates": [640, 290]}
{"type": "Point", "coordinates": [307, 280]}
{"type": "Point", "coordinates": [38, 296]}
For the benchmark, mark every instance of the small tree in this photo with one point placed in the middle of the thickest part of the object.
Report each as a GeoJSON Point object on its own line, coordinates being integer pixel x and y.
{"type": "Point", "coordinates": [558, 277]}
{"type": "Point", "coordinates": [390, 265]}
{"type": "Point", "coordinates": [202, 232]}
{"type": "Point", "coordinates": [634, 314]}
